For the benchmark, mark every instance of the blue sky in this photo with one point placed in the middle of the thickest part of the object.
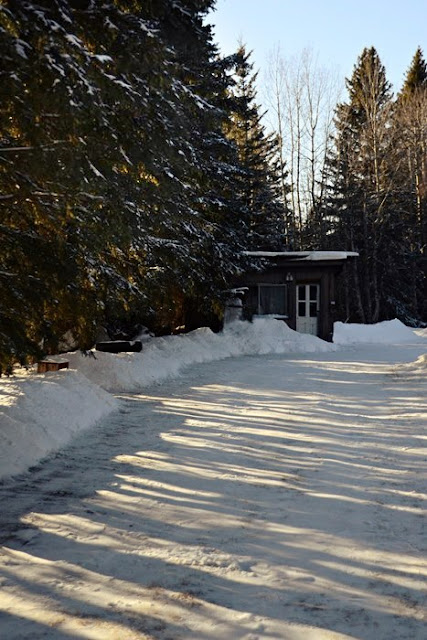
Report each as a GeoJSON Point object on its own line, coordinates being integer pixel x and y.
{"type": "Point", "coordinates": [335, 30]}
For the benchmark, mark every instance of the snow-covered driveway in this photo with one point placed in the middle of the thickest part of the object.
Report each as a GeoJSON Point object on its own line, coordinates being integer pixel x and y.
{"type": "Point", "coordinates": [272, 497]}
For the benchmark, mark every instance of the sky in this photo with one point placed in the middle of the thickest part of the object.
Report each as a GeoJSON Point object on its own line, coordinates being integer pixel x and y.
{"type": "Point", "coordinates": [335, 30]}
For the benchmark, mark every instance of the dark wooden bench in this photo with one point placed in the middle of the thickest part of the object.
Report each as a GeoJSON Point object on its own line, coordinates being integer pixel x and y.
{"type": "Point", "coordinates": [119, 346]}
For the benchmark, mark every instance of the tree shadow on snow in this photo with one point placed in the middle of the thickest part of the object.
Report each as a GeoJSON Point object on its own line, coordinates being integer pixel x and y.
{"type": "Point", "coordinates": [293, 501]}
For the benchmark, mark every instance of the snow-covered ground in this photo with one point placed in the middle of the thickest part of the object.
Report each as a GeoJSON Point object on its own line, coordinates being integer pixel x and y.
{"type": "Point", "coordinates": [41, 413]}
{"type": "Point", "coordinates": [274, 495]}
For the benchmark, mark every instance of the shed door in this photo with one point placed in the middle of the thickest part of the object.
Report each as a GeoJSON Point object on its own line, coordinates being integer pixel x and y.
{"type": "Point", "coordinates": [308, 308]}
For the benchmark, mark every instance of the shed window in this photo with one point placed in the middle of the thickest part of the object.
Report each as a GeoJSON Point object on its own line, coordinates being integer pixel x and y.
{"type": "Point", "coordinates": [272, 299]}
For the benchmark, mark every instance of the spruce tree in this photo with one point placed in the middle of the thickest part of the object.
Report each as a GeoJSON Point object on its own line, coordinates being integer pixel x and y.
{"type": "Point", "coordinates": [71, 102]}
{"type": "Point", "coordinates": [368, 211]}
{"type": "Point", "coordinates": [259, 185]}
{"type": "Point", "coordinates": [416, 76]}
{"type": "Point", "coordinates": [205, 219]}
{"type": "Point", "coordinates": [118, 183]}
{"type": "Point", "coordinates": [410, 122]}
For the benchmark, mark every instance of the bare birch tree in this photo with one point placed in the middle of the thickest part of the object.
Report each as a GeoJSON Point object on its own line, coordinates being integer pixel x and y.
{"type": "Point", "coordinates": [301, 96]}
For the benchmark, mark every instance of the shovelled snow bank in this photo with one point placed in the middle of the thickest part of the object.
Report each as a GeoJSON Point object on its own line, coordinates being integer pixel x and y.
{"type": "Point", "coordinates": [41, 413]}
{"type": "Point", "coordinates": [387, 332]}
{"type": "Point", "coordinates": [163, 358]}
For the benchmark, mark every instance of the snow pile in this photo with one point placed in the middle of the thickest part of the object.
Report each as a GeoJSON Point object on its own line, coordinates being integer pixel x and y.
{"type": "Point", "coordinates": [387, 332]}
{"type": "Point", "coordinates": [40, 414]}
{"type": "Point", "coordinates": [267, 335]}
{"type": "Point", "coordinates": [419, 367]}
{"type": "Point", "coordinates": [164, 358]}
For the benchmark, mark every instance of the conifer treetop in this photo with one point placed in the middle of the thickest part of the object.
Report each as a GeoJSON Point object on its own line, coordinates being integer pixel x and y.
{"type": "Point", "coordinates": [416, 76]}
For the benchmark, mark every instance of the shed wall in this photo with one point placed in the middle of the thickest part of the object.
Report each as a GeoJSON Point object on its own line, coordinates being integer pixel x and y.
{"type": "Point", "coordinates": [315, 273]}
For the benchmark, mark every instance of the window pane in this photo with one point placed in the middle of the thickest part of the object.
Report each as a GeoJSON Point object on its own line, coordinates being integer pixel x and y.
{"type": "Point", "coordinates": [272, 300]}
{"type": "Point", "coordinates": [313, 292]}
{"type": "Point", "coordinates": [313, 309]}
{"type": "Point", "coordinates": [301, 292]}
{"type": "Point", "coordinates": [301, 309]}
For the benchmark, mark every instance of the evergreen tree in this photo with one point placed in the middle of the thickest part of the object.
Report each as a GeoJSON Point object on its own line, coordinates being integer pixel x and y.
{"type": "Point", "coordinates": [259, 185]}
{"type": "Point", "coordinates": [67, 104]}
{"type": "Point", "coordinates": [410, 121]}
{"type": "Point", "coordinates": [369, 212]}
{"type": "Point", "coordinates": [207, 227]}
{"type": "Point", "coordinates": [118, 184]}
{"type": "Point", "coordinates": [416, 76]}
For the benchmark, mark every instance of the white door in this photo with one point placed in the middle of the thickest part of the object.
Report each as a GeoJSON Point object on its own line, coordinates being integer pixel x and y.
{"type": "Point", "coordinates": [307, 308]}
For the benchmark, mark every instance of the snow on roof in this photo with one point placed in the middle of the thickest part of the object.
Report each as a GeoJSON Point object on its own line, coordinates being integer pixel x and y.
{"type": "Point", "coordinates": [305, 255]}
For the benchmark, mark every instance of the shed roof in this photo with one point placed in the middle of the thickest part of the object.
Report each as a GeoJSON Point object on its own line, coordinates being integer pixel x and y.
{"type": "Point", "coordinates": [315, 256]}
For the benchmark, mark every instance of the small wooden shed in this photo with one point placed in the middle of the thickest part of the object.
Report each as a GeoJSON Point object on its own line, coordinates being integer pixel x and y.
{"type": "Point", "coordinates": [297, 287]}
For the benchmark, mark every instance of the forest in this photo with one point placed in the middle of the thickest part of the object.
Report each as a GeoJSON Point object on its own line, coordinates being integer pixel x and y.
{"type": "Point", "coordinates": [137, 171]}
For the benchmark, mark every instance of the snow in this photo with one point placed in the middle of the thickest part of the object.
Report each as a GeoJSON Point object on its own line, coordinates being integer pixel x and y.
{"type": "Point", "coordinates": [102, 58]}
{"type": "Point", "coordinates": [277, 495]}
{"type": "Point", "coordinates": [74, 40]}
{"type": "Point", "coordinates": [95, 170]}
{"type": "Point", "coordinates": [387, 332]}
{"type": "Point", "coordinates": [39, 414]}
{"type": "Point", "coordinates": [417, 368]}
{"type": "Point", "coordinates": [165, 358]}
{"type": "Point", "coordinates": [121, 83]}
{"type": "Point", "coordinates": [330, 255]}
{"type": "Point", "coordinates": [305, 255]}
{"type": "Point", "coordinates": [20, 46]}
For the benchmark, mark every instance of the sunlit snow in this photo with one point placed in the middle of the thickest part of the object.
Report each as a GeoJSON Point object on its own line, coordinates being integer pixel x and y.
{"type": "Point", "coordinates": [277, 493]}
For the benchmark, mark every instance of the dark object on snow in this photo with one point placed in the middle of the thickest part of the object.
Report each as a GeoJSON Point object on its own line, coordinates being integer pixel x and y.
{"type": "Point", "coordinates": [50, 365]}
{"type": "Point", "coordinates": [118, 346]}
